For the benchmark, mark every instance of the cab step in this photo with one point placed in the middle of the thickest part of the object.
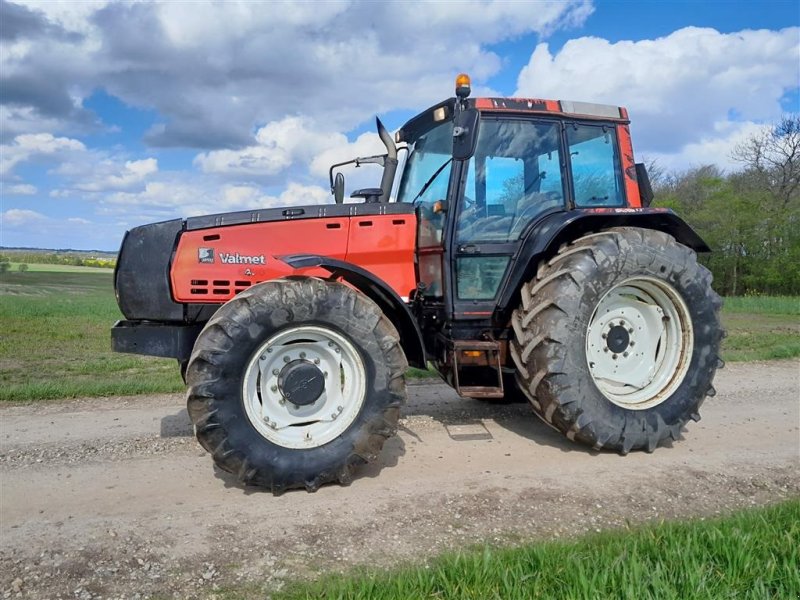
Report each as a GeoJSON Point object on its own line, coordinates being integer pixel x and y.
{"type": "Point", "coordinates": [481, 356]}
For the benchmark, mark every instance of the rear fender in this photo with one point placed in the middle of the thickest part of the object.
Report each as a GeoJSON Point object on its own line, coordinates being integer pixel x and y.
{"type": "Point", "coordinates": [544, 238]}
{"type": "Point", "coordinates": [379, 292]}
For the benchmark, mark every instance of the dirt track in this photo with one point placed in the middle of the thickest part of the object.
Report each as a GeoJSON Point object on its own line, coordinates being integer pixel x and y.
{"type": "Point", "coordinates": [113, 498]}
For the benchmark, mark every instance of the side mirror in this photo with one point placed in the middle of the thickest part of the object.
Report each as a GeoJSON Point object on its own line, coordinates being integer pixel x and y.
{"type": "Point", "coordinates": [465, 133]}
{"type": "Point", "coordinates": [338, 188]}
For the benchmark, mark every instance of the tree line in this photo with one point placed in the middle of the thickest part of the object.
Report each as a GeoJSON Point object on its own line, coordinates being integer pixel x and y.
{"type": "Point", "coordinates": [749, 217]}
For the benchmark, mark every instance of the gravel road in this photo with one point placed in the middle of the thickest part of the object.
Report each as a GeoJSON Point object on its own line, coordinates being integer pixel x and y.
{"type": "Point", "coordinates": [113, 498]}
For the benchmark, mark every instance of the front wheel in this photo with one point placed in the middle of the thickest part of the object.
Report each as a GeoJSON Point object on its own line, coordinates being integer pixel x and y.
{"type": "Point", "coordinates": [295, 382]}
{"type": "Point", "coordinates": [617, 339]}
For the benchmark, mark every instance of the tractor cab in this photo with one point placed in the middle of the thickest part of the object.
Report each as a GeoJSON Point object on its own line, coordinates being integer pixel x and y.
{"type": "Point", "coordinates": [487, 177]}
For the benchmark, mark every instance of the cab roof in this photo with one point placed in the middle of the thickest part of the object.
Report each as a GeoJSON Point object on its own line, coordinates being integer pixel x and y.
{"type": "Point", "coordinates": [588, 110]}
{"type": "Point", "coordinates": [562, 108]}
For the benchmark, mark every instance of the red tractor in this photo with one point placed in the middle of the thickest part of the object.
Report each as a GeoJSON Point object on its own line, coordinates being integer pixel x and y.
{"type": "Point", "coordinates": [518, 255]}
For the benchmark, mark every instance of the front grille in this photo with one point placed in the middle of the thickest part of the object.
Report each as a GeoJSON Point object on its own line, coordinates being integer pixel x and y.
{"type": "Point", "coordinates": [218, 288]}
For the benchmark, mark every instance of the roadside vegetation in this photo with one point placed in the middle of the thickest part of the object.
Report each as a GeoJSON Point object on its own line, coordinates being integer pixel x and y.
{"type": "Point", "coordinates": [751, 554]}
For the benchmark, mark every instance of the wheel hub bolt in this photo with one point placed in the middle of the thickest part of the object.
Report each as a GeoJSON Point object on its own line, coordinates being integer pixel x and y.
{"type": "Point", "coordinates": [633, 343]}
{"type": "Point", "coordinates": [604, 336]}
{"type": "Point", "coordinates": [287, 359]}
{"type": "Point", "coordinates": [302, 355]}
{"type": "Point", "coordinates": [276, 372]}
{"type": "Point", "coordinates": [263, 357]}
{"type": "Point", "coordinates": [274, 388]}
{"type": "Point", "coordinates": [339, 408]}
{"type": "Point", "coordinates": [614, 356]}
{"type": "Point", "coordinates": [334, 415]}
{"type": "Point", "coordinates": [625, 354]}
{"type": "Point", "coordinates": [316, 361]}
{"type": "Point", "coordinates": [630, 329]}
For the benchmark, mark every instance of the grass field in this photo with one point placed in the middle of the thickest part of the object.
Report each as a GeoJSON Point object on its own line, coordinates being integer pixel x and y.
{"type": "Point", "coordinates": [55, 340]}
{"type": "Point", "coordinates": [43, 268]}
{"type": "Point", "coordinates": [752, 554]}
{"type": "Point", "coordinates": [761, 328]}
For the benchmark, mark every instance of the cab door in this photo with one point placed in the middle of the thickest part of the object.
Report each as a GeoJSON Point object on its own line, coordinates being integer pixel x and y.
{"type": "Point", "coordinates": [514, 178]}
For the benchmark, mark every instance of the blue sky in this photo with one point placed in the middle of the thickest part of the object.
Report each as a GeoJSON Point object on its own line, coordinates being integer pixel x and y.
{"type": "Point", "coordinates": [117, 114]}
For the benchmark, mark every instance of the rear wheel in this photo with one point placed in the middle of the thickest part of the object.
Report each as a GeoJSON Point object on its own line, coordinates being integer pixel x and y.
{"type": "Point", "coordinates": [294, 383]}
{"type": "Point", "coordinates": [617, 339]}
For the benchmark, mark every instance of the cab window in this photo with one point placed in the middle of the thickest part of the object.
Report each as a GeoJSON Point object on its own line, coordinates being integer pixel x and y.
{"type": "Point", "coordinates": [596, 173]}
{"type": "Point", "coordinates": [513, 177]}
{"type": "Point", "coordinates": [425, 181]}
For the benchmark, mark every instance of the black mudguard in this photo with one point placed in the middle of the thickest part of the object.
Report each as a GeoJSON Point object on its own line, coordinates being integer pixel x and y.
{"type": "Point", "coordinates": [379, 292]}
{"type": "Point", "coordinates": [544, 237]}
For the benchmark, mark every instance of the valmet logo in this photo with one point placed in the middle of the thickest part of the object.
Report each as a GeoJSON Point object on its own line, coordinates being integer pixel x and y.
{"type": "Point", "coordinates": [206, 255]}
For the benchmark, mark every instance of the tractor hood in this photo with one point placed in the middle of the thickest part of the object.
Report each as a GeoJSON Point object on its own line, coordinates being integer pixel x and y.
{"type": "Point", "coordinates": [165, 271]}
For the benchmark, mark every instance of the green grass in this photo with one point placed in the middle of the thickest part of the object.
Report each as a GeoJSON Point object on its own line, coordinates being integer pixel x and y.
{"type": "Point", "coordinates": [46, 268]}
{"type": "Point", "coordinates": [763, 305]}
{"type": "Point", "coordinates": [55, 340]}
{"type": "Point", "coordinates": [751, 554]}
{"type": "Point", "coordinates": [761, 328]}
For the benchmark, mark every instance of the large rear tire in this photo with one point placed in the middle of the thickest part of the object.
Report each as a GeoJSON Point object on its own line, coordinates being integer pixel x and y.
{"type": "Point", "coordinates": [295, 382]}
{"type": "Point", "coordinates": [616, 341]}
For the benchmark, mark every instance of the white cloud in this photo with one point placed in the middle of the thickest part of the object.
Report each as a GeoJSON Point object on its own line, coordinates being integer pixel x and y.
{"type": "Point", "coordinates": [27, 146]}
{"type": "Point", "coordinates": [712, 148]}
{"type": "Point", "coordinates": [21, 189]}
{"type": "Point", "coordinates": [297, 194]}
{"type": "Point", "coordinates": [191, 196]}
{"type": "Point", "coordinates": [111, 175]}
{"type": "Point", "coordinates": [367, 144]}
{"type": "Point", "coordinates": [16, 217]}
{"type": "Point", "coordinates": [681, 89]}
{"type": "Point", "coordinates": [277, 146]}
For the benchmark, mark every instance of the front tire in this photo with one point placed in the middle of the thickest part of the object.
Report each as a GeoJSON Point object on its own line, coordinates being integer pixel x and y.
{"type": "Point", "coordinates": [296, 382]}
{"type": "Point", "coordinates": [617, 339]}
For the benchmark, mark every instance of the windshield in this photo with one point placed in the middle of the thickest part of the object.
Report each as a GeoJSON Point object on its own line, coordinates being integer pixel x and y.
{"type": "Point", "coordinates": [428, 165]}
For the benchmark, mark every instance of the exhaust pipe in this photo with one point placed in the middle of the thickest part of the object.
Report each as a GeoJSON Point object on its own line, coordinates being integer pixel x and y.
{"type": "Point", "coordinates": [390, 164]}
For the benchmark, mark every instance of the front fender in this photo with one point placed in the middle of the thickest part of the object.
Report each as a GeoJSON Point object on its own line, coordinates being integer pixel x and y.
{"type": "Point", "coordinates": [379, 292]}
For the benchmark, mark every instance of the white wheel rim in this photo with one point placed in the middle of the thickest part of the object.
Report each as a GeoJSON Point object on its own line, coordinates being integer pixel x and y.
{"type": "Point", "coordinates": [311, 425]}
{"type": "Point", "coordinates": [644, 365]}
